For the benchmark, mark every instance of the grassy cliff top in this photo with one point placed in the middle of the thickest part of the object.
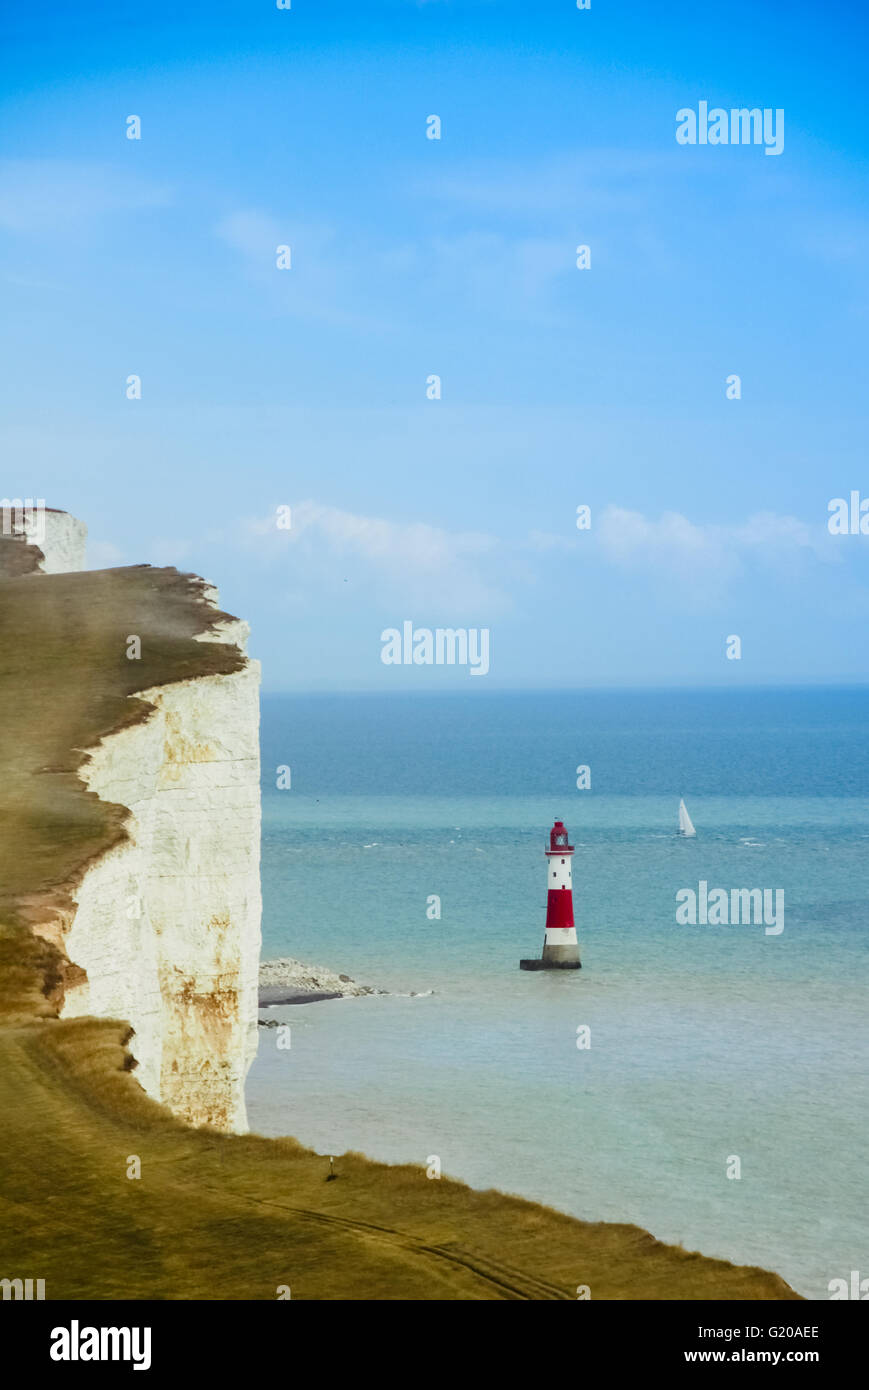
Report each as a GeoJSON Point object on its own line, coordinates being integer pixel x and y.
{"type": "Point", "coordinates": [211, 1216]}
{"type": "Point", "coordinates": [66, 682]}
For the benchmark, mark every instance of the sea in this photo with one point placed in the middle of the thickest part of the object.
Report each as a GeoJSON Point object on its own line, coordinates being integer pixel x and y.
{"type": "Point", "coordinates": [706, 1082]}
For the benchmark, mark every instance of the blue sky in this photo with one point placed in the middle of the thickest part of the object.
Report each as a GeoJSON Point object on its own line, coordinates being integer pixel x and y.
{"type": "Point", "coordinates": [411, 257]}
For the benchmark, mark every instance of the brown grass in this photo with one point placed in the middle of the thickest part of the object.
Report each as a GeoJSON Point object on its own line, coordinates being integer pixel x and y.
{"type": "Point", "coordinates": [66, 682]}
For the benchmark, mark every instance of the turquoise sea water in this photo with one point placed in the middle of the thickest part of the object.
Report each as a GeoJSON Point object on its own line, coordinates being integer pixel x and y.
{"type": "Point", "coordinates": [706, 1041]}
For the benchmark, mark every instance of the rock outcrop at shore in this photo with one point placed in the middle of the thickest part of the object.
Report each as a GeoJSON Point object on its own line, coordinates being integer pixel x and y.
{"type": "Point", "coordinates": [132, 800]}
{"type": "Point", "coordinates": [289, 981]}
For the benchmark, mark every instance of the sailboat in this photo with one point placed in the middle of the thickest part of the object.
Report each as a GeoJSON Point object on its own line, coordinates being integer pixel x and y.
{"type": "Point", "coordinates": [686, 826]}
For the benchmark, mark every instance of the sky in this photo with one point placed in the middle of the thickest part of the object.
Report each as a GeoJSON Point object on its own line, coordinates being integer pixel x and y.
{"type": "Point", "coordinates": [411, 257]}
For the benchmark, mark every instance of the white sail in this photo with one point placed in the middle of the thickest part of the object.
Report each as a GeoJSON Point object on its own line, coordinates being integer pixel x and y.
{"type": "Point", "coordinates": [685, 824]}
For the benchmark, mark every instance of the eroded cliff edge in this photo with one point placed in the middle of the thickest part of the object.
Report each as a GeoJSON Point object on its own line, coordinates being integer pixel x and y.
{"type": "Point", "coordinates": [130, 820]}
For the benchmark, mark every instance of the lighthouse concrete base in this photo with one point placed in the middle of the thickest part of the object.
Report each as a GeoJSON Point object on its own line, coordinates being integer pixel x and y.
{"type": "Point", "coordinates": [561, 957]}
{"type": "Point", "coordinates": [554, 958]}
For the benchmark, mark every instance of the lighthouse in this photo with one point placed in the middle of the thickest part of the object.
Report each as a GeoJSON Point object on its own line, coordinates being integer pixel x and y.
{"type": "Point", "coordinates": [560, 946]}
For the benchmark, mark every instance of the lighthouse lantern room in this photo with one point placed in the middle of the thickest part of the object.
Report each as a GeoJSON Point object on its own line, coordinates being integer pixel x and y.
{"type": "Point", "coordinates": [560, 946]}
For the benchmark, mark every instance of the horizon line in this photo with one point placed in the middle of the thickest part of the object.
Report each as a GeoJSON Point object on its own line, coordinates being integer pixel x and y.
{"type": "Point", "coordinates": [855, 685]}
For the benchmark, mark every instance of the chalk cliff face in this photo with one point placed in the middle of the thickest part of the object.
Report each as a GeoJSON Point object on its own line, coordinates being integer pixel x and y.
{"type": "Point", "coordinates": [166, 930]}
{"type": "Point", "coordinates": [63, 544]}
{"type": "Point", "coordinates": [151, 897]}
{"type": "Point", "coordinates": [60, 539]}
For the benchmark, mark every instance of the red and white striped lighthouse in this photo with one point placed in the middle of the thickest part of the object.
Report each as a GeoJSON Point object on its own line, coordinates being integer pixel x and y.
{"type": "Point", "coordinates": [560, 946]}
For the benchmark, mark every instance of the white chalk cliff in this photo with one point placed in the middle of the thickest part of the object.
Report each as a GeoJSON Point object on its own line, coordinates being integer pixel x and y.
{"type": "Point", "coordinates": [166, 927]}
{"type": "Point", "coordinates": [63, 544]}
{"type": "Point", "coordinates": [61, 538]}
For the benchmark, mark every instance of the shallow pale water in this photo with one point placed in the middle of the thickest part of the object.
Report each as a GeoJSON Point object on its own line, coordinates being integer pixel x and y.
{"type": "Point", "coordinates": [706, 1042]}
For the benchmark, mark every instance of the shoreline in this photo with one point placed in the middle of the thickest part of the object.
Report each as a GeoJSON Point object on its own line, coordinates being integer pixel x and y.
{"type": "Point", "coordinates": [271, 997]}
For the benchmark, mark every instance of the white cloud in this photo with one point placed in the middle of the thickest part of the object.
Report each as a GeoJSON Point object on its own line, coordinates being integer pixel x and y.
{"type": "Point", "coordinates": [597, 181]}
{"type": "Point", "coordinates": [253, 233]}
{"type": "Point", "coordinates": [416, 561]}
{"type": "Point", "coordinates": [495, 273]}
{"type": "Point", "coordinates": [42, 195]}
{"type": "Point", "coordinates": [319, 285]}
{"type": "Point", "coordinates": [687, 564]}
{"type": "Point", "coordinates": [485, 271]}
{"type": "Point", "coordinates": [705, 559]}
{"type": "Point", "coordinates": [548, 541]}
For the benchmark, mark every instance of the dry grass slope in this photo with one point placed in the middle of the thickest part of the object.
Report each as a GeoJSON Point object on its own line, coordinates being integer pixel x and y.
{"type": "Point", "coordinates": [212, 1216]}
